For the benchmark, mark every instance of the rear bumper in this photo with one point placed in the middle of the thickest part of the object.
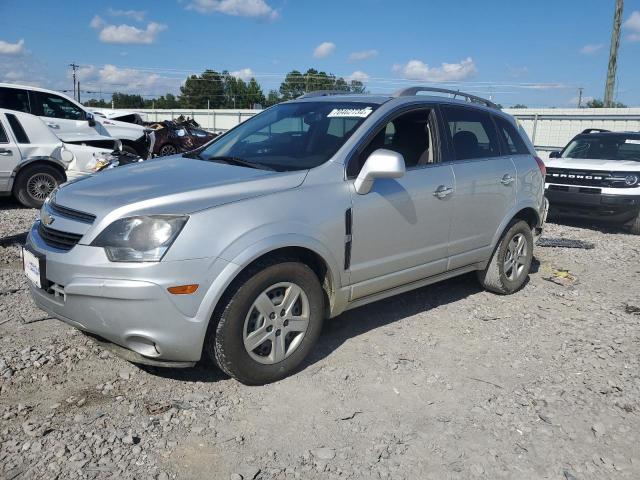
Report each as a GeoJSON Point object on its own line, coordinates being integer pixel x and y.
{"type": "Point", "coordinates": [614, 208]}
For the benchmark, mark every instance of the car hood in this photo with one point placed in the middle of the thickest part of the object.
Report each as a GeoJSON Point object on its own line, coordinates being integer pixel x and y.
{"type": "Point", "coordinates": [593, 164]}
{"type": "Point", "coordinates": [170, 185]}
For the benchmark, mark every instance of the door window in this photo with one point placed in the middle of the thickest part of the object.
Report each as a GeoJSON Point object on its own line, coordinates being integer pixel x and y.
{"type": "Point", "coordinates": [411, 134]}
{"type": "Point", "coordinates": [14, 99]}
{"type": "Point", "coordinates": [512, 140]}
{"type": "Point", "coordinates": [54, 106]}
{"type": "Point", "coordinates": [471, 132]}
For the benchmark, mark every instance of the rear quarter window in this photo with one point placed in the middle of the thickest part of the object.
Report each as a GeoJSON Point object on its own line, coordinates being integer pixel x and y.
{"type": "Point", "coordinates": [3, 135]}
{"type": "Point", "coordinates": [511, 138]}
{"type": "Point", "coordinates": [16, 127]}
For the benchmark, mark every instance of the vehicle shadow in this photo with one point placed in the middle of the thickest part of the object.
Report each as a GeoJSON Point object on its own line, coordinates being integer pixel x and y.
{"type": "Point", "coordinates": [588, 224]}
{"type": "Point", "coordinates": [9, 203]}
{"type": "Point", "coordinates": [350, 324]}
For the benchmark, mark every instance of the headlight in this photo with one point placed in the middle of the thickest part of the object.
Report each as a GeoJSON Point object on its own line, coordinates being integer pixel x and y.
{"type": "Point", "coordinates": [140, 239]}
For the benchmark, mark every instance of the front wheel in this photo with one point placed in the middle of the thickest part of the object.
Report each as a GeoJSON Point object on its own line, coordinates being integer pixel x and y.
{"type": "Point", "coordinates": [509, 266]}
{"type": "Point", "coordinates": [167, 149]}
{"type": "Point", "coordinates": [268, 326]}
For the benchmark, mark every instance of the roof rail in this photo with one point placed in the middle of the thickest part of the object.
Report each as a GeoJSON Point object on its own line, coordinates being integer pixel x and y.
{"type": "Point", "coordinates": [325, 93]}
{"type": "Point", "coordinates": [411, 91]}
{"type": "Point", "coordinates": [591, 130]}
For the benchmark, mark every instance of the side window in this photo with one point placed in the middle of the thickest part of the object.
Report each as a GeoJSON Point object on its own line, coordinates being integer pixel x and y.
{"type": "Point", "coordinates": [471, 132]}
{"type": "Point", "coordinates": [16, 127]}
{"type": "Point", "coordinates": [3, 135]}
{"type": "Point", "coordinates": [51, 105]}
{"type": "Point", "coordinates": [510, 136]}
{"type": "Point", "coordinates": [14, 99]}
{"type": "Point", "coordinates": [410, 134]}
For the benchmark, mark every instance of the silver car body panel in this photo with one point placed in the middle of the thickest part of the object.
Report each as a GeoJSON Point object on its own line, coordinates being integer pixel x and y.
{"type": "Point", "coordinates": [401, 238]}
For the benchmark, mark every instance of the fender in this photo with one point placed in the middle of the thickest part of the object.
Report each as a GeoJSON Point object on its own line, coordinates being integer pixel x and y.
{"type": "Point", "coordinates": [512, 213]}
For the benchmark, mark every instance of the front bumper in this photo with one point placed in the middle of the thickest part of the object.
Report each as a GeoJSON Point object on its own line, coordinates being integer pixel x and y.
{"type": "Point", "coordinates": [570, 201]}
{"type": "Point", "coordinates": [128, 304]}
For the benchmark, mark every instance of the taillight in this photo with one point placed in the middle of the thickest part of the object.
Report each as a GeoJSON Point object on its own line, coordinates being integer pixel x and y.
{"type": "Point", "coordinates": [541, 166]}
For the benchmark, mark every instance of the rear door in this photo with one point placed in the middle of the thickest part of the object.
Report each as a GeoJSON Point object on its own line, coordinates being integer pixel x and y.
{"type": "Point", "coordinates": [9, 154]}
{"type": "Point", "coordinates": [485, 183]}
{"type": "Point", "coordinates": [61, 115]}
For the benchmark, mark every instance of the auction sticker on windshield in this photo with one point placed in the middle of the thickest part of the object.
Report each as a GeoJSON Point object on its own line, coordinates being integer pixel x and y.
{"type": "Point", "coordinates": [31, 265]}
{"type": "Point", "coordinates": [350, 112]}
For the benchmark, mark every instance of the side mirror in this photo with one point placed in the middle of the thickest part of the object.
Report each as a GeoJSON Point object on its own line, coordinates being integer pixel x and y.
{"type": "Point", "coordinates": [381, 164]}
{"type": "Point", "coordinates": [555, 154]}
{"type": "Point", "coordinates": [91, 119]}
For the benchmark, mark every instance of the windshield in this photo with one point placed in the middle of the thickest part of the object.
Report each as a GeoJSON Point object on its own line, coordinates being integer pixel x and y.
{"type": "Point", "coordinates": [290, 136]}
{"type": "Point", "coordinates": [604, 148]}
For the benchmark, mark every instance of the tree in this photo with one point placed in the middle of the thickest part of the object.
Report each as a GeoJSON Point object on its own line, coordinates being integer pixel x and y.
{"type": "Point", "coordinates": [126, 100]}
{"type": "Point", "coordinates": [596, 103]}
{"type": "Point", "coordinates": [296, 83]}
{"type": "Point", "coordinates": [200, 91]}
{"type": "Point", "coordinates": [519, 105]}
{"type": "Point", "coordinates": [255, 96]}
{"type": "Point", "coordinates": [272, 98]}
{"type": "Point", "coordinates": [93, 103]}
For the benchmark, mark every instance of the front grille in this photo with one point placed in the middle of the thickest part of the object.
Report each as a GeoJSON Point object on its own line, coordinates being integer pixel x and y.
{"type": "Point", "coordinates": [587, 178]}
{"type": "Point", "coordinates": [58, 239]}
{"type": "Point", "coordinates": [71, 213]}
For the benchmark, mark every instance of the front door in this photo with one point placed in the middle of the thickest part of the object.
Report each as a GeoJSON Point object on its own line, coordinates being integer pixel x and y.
{"type": "Point", "coordinates": [485, 184]}
{"type": "Point", "coordinates": [401, 227]}
{"type": "Point", "coordinates": [61, 115]}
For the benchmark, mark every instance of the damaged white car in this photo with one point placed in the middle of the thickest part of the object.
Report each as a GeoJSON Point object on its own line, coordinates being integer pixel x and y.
{"type": "Point", "coordinates": [34, 161]}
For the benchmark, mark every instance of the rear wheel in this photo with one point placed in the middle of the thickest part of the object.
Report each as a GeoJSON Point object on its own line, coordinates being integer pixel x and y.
{"type": "Point", "coordinates": [509, 266]}
{"type": "Point", "coordinates": [34, 183]}
{"type": "Point", "coordinates": [268, 326]}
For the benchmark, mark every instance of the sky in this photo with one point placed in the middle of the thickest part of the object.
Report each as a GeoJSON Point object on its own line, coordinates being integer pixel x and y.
{"type": "Point", "coordinates": [536, 53]}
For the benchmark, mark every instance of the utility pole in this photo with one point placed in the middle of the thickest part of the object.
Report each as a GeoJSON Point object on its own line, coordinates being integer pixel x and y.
{"type": "Point", "coordinates": [580, 89]}
{"type": "Point", "coordinates": [74, 68]}
{"type": "Point", "coordinates": [613, 55]}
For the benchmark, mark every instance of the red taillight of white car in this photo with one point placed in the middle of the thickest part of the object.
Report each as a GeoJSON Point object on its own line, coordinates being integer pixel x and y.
{"type": "Point", "coordinates": [541, 166]}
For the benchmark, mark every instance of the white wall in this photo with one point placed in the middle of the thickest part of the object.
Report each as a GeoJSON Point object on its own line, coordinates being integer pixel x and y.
{"type": "Point", "coordinates": [215, 119]}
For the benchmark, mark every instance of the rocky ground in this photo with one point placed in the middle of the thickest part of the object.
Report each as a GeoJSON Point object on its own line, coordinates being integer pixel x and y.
{"type": "Point", "coordinates": [444, 382]}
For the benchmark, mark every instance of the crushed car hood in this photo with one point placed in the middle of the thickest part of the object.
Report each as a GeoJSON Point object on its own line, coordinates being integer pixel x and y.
{"type": "Point", "coordinates": [170, 185]}
{"type": "Point", "coordinates": [593, 164]}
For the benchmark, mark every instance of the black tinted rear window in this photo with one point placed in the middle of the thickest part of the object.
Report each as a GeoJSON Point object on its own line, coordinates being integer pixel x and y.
{"type": "Point", "coordinates": [18, 131]}
{"type": "Point", "coordinates": [14, 99]}
{"type": "Point", "coordinates": [3, 135]}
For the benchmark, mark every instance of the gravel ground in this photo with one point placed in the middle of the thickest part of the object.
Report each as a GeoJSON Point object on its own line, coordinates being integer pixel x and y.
{"type": "Point", "coordinates": [444, 382]}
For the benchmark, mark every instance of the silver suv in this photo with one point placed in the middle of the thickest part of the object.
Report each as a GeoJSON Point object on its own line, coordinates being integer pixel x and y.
{"type": "Point", "coordinates": [238, 251]}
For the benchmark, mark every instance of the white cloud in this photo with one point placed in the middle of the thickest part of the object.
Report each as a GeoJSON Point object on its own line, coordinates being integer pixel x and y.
{"type": "Point", "coordinates": [126, 34]}
{"type": "Point", "coordinates": [632, 24]}
{"type": "Point", "coordinates": [238, 8]}
{"type": "Point", "coordinates": [363, 55]}
{"type": "Point", "coordinates": [137, 15]}
{"type": "Point", "coordinates": [243, 74]}
{"type": "Point", "coordinates": [7, 48]}
{"type": "Point", "coordinates": [113, 78]}
{"type": "Point", "coordinates": [517, 72]}
{"type": "Point", "coordinates": [591, 48]}
{"type": "Point", "coordinates": [418, 70]}
{"type": "Point", "coordinates": [359, 76]}
{"type": "Point", "coordinates": [324, 50]}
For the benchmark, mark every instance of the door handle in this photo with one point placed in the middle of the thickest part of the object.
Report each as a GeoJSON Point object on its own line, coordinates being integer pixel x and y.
{"type": "Point", "coordinates": [506, 179]}
{"type": "Point", "coordinates": [5, 153]}
{"type": "Point", "coordinates": [442, 191]}
{"type": "Point", "coordinates": [53, 125]}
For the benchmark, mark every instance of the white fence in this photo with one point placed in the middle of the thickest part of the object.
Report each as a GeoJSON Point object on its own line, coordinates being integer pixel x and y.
{"type": "Point", "coordinates": [548, 128]}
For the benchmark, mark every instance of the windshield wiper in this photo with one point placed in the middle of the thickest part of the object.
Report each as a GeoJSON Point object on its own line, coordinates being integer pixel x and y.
{"type": "Point", "coordinates": [238, 161]}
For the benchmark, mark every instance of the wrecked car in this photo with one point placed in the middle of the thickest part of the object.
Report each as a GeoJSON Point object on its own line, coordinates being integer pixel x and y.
{"type": "Point", "coordinates": [34, 161]}
{"type": "Point", "coordinates": [177, 136]}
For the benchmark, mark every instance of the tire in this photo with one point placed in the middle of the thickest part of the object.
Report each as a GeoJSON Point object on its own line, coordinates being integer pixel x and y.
{"type": "Point", "coordinates": [635, 225]}
{"type": "Point", "coordinates": [499, 277]}
{"type": "Point", "coordinates": [35, 182]}
{"type": "Point", "coordinates": [238, 316]}
{"type": "Point", "coordinates": [167, 149]}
